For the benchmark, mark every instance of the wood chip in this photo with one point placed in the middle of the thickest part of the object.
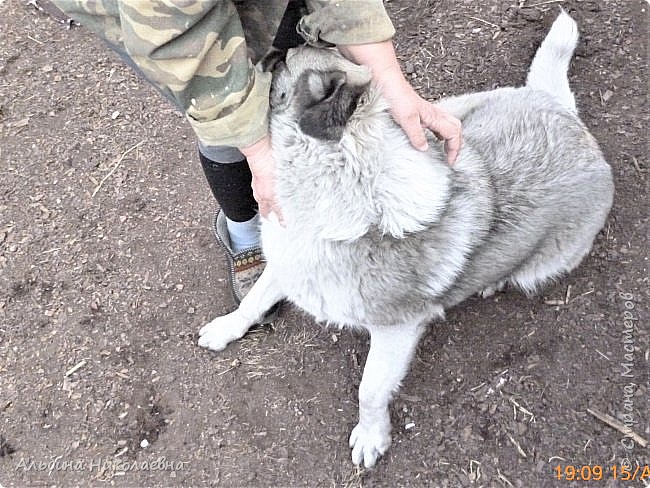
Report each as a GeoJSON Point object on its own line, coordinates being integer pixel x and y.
{"type": "Point", "coordinates": [21, 123]}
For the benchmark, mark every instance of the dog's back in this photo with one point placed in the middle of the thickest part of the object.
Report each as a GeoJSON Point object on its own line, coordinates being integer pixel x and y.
{"type": "Point", "coordinates": [552, 188]}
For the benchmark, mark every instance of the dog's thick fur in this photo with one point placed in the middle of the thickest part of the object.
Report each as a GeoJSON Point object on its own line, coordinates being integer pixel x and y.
{"type": "Point", "coordinates": [381, 236]}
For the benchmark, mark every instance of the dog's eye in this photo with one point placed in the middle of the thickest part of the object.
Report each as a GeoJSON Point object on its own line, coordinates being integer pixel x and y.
{"type": "Point", "coordinates": [278, 98]}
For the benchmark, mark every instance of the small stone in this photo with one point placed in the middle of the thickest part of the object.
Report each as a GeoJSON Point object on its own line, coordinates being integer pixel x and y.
{"type": "Point", "coordinates": [144, 443]}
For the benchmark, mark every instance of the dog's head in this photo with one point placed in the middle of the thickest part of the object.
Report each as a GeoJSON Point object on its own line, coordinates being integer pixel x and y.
{"type": "Point", "coordinates": [348, 129]}
{"type": "Point", "coordinates": [319, 88]}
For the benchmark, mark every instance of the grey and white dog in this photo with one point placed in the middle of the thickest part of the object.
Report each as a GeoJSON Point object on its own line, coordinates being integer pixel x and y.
{"type": "Point", "coordinates": [381, 236]}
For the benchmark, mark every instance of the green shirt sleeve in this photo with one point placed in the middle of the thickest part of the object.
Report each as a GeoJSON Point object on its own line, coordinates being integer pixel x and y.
{"type": "Point", "coordinates": [197, 50]}
{"type": "Point", "coordinates": [196, 53]}
{"type": "Point", "coordinates": [346, 22]}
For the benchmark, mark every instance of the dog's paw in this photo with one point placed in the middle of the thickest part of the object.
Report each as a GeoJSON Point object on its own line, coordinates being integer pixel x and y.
{"type": "Point", "coordinates": [368, 443]}
{"type": "Point", "coordinates": [222, 331]}
{"type": "Point", "coordinates": [491, 290]}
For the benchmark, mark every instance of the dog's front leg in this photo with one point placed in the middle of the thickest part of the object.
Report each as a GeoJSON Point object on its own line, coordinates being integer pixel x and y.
{"type": "Point", "coordinates": [391, 349]}
{"type": "Point", "coordinates": [223, 330]}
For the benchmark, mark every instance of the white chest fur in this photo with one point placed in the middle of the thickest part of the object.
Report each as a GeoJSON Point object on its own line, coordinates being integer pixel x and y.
{"type": "Point", "coordinates": [313, 275]}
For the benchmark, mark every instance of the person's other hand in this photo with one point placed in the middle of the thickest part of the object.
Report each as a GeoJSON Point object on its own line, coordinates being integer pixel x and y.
{"type": "Point", "coordinates": [262, 166]}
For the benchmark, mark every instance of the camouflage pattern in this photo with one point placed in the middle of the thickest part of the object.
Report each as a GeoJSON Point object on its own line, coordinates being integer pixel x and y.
{"type": "Point", "coordinates": [346, 22]}
{"type": "Point", "coordinates": [201, 53]}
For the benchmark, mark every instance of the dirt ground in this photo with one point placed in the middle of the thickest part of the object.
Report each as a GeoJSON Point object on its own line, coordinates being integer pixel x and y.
{"type": "Point", "coordinates": [108, 269]}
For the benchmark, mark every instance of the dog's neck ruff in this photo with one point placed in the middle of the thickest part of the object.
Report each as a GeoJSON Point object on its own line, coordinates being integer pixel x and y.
{"type": "Point", "coordinates": [371, 178]}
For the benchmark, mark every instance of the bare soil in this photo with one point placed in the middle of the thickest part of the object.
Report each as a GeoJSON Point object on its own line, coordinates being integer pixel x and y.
{"type": "Point", "coordinates": [108, 269]}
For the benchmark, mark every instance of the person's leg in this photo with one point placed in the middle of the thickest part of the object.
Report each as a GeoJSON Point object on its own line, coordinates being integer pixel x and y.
{"type": "Point", "coordinates": [229, 178]}
{"type": "Point", "coordinates": [226, 168]}
{"type": "Point", "coordinates": [237, 223]}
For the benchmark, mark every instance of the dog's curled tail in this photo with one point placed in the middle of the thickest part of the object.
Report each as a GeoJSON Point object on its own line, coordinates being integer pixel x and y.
{"type": "Point", "coordinates": [548, 72]}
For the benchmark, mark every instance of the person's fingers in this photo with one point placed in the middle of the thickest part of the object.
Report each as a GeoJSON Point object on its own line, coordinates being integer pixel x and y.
{"type": "Point", "coordinates": [413, 129]}
{"type": "Point", "coordinates": [263, 209]}
{"type": "Point", "coordinates": [452, 148]}
{"type": "Point", "coordinates": [262, 206]}
{"type": "Point", "coordinates": [277, 211]}
{"type": "Point", "coordinates": [266, 205]}
{"type": "Point", "coordinates": [446, 127]}
{"type": "Point", "coordinates": [267, 209]}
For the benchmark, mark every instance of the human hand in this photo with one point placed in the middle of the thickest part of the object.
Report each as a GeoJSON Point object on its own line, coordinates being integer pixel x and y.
{"type": "Point", "coordinates": [412, 113]}
{"type": "Point", "coordinates": [262, 166]}
{"type": "Point", "coordinates": [410, 110]}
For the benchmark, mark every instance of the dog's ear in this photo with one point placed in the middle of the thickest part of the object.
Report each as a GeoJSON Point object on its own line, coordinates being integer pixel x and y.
{"type": "Point", "coordinates": [329, 101]}
{"type": "Point", "coordinates": [271, 59]}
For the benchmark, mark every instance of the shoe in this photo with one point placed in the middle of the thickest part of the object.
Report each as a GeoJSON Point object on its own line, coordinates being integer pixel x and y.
{"type": "Point", "coordinates": [245, 266]}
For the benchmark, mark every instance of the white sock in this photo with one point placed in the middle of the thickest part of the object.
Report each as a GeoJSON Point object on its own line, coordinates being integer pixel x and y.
{"type": "Point", "coordinates": [244, 234]}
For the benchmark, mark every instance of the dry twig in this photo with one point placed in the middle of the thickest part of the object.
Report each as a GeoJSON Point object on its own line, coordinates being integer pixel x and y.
{"type": "Point", "coordinates": [521, 452]}
{"type": "Point", "coordinates": [542, 3]}
{"type": "Point", "coordinates": [484, 21]}
{"type": "Point", "coordinates": [119, 161]}
{"type": "Point", "coordinates": [503, 479]}
{"type": "Point", "coordinates": [77, 366]}
{"type": "Point", "coordinates": [622, 428]}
